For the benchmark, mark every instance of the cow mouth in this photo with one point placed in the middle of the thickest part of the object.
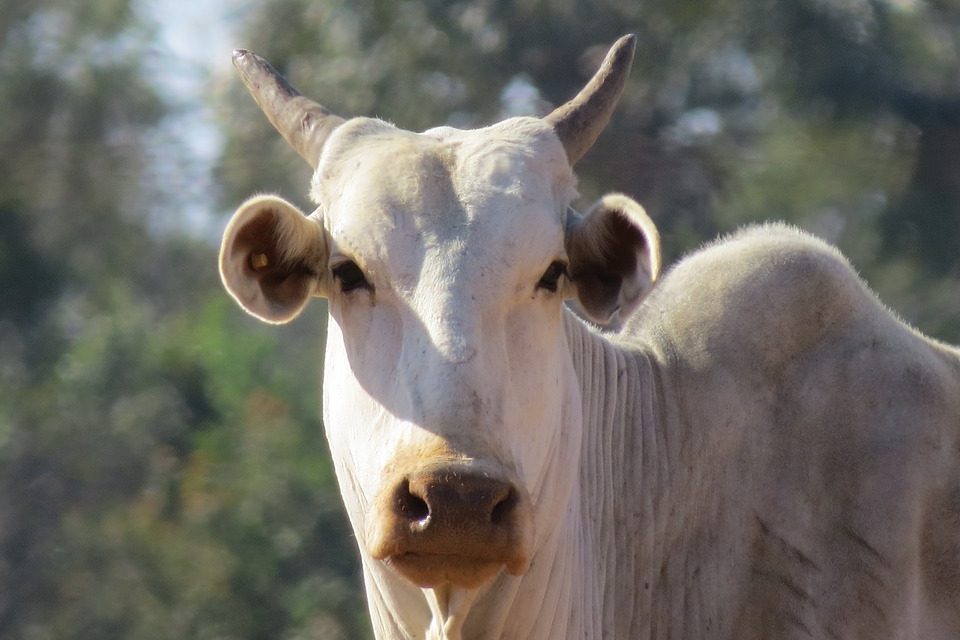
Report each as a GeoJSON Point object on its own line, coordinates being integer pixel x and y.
{"type": "Point", "coordinates": [431, 570]}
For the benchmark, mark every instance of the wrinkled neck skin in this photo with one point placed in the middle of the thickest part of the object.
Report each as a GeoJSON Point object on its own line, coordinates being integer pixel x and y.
{"type": "Point", "coordinates": [570, 590]}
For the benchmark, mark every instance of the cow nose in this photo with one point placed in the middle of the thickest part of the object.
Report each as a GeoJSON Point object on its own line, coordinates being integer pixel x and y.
{"type": "Point", "coordinates": [452, 524]}
{"type": "Point", "coordinates": [454, 501]}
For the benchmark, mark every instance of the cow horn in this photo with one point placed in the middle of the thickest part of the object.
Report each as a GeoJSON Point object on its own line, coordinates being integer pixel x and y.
{"type": "Point", "coordinates": [578, 123]}
{"type": "Point", "coordinates": [303, 123]}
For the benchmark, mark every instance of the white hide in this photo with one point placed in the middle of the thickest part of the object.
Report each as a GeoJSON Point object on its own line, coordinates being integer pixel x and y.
{"type": "Point", "coordinates": [764, 452]}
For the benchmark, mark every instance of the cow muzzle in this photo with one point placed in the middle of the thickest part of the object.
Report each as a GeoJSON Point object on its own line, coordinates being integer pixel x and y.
{"type": "Point", "coordinates": [453, 525]}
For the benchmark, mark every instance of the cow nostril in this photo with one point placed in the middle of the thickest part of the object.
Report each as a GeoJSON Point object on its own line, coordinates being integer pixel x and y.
{"type": "Point", "coordinates": [410, 506]}
{"type": "Point", "coordinates": [502, 510]}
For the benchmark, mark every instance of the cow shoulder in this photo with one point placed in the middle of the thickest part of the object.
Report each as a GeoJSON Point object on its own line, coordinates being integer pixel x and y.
{"type": "Point", "coordinates": [773, 330]}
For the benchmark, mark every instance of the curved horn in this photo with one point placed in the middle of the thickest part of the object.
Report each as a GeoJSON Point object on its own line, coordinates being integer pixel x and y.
{"type": "Point", "coordinates": [302, 122]}
{"type": "Point", "coordinates": [578, 123]}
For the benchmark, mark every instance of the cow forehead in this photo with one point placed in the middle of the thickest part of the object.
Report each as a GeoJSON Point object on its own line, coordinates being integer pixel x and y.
{"type": "Point", "coordinates": [398, 193]}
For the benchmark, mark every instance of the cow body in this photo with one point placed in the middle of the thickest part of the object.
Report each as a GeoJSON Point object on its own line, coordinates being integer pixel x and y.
{"type": "Point", "coordinates": [763, 451]}
{"type": "Point", "coordinates": [769, 453]}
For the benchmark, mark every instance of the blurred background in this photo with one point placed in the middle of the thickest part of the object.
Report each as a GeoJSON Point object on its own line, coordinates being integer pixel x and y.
{"type": "Point", "coordinates": [163, 470]}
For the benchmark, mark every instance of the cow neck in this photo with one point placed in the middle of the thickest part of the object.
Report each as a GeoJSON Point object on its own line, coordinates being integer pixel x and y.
{"type": "Point", "coordinates": [625, 482]}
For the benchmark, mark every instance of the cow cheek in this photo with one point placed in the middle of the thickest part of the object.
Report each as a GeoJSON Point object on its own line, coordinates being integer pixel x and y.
{"type": "Point", "coordinates": [357, 425]}
{"type": "Point", "coordinates": [533, 395]}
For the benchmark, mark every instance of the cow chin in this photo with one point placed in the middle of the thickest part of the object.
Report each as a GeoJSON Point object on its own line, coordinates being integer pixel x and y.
{"type": "Point", "coordinates": [431, 570]}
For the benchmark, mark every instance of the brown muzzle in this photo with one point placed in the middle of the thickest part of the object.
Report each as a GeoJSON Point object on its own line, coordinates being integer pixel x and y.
{"type": "Point", "coordinates": [452, 524]}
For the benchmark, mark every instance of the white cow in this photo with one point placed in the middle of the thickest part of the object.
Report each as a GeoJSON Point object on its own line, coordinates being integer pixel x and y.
{"type": "Point", "coordinates": [763, 451]}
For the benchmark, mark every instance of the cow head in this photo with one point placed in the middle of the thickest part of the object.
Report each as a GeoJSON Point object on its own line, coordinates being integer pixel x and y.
{"type": "Point", "coordinates": [450, 401]}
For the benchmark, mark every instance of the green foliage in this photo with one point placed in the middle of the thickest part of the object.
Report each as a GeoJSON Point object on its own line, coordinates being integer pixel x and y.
{"type": "Point", "coordinates": [162, 473]}
{"type": "Point", "coordinates": [156, 475]}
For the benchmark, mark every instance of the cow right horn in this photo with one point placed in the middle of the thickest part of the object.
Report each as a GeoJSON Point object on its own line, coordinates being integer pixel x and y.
{"type": "Point", "coordinates": [578, 123]}
{"type": "Point", "coordinates": [303, 123]}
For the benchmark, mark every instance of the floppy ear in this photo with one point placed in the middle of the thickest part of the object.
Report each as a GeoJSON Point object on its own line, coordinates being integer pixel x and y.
{"type": "Point", "coordinates": [271, 258]}
{"type": "Point", "coordinates": [614, 253]}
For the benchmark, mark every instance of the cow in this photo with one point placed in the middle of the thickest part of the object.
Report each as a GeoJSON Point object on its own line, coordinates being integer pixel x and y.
{"type": "Point", "coordinates": [762, 451]}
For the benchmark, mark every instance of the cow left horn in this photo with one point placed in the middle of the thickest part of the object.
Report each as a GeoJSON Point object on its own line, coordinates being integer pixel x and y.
{"type": "Point", "coordinates": [303, 123]}
{"type": "Point", "coordinates": [578, 123]}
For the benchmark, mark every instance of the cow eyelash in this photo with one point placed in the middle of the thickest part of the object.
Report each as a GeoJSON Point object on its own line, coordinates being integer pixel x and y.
{"type": "Point", "coordinates": [550, 280]}
{"type": "Point", "coordinates": [350, 276]}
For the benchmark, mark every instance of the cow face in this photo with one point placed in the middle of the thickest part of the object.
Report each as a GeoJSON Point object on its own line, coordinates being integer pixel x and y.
{"type": "Point", "coordinates": [443, 327]}
{"type": "Point", "coordinates": [450, 401]}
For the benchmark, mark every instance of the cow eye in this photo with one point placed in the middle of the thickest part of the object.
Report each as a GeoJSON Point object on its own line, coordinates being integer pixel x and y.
{"type": "Point", "coordinates": [551, 277]}
{"type": "Point", "coordinates": [350, 276]}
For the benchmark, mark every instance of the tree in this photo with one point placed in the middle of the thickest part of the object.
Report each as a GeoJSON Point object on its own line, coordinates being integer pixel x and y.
{"type": "Point", "coordinates": [159, 477]}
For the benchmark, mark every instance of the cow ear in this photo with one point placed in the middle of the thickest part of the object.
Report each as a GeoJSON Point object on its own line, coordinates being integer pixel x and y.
{"type": "Point", "coordinates": [614, 254]}
{"type": "Point", "coordinates": [271, 258]}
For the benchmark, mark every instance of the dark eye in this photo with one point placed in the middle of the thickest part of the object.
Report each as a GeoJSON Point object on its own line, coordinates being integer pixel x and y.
{"type": "Point", "coordinates": [350, 276]}
{"type": "Point", "coordinates": [551, 277]}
